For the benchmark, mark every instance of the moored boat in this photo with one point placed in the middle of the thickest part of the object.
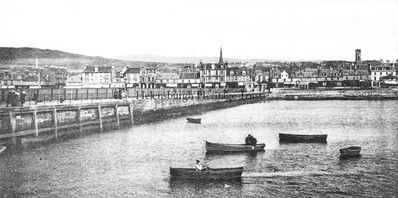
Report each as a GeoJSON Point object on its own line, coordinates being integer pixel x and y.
{"type": "Point", "coordinates": [295, 138]}
{"type": "Point", "coordinates": [352, 151]}
{"type": "Point", "coordinates": [210, 174]}
{"type": "Point", "coordinates": [224, 148]}
{"type": "Point", "coordinates": [174, 114]}
{"type": "Point", "coordinates": [2, 148]}
{"type": "Point", "coordinates": [194, 120]}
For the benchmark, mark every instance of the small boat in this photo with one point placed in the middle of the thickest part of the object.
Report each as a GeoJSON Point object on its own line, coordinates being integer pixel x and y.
{"type": "Point", "coordinates": [194, 120]}
{"type": "Point", "coordinates": [294, 138]}
{"type": "Point", "coordinates": [224, 148]}
{"type": "Point", "coordinates": [174, 114]}
{"type": "Point", "coordinates": [352, 151]}
{"type": "Point", "coordinates": [2, 148]}
{"type": "Point", "coordinates": [210, 174]}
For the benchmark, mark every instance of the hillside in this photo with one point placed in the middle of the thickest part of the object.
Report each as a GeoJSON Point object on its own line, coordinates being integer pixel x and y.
{"type": "Point", "coordinates": [177, 59]}
{"type": "Point", "coordinates": [25, 56]}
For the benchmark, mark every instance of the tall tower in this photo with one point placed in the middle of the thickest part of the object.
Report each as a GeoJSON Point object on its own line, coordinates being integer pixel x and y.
{"type": "Point", "coordinates": [358, 57]}
{"type": "Point", "coordinates": [221, 60]}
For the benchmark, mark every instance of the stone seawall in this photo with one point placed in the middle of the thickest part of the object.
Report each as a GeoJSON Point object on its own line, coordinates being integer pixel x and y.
{"type": "Point", "coordinates": [374, 94]}
{"type": "Point", "coordinates": [38, 124]}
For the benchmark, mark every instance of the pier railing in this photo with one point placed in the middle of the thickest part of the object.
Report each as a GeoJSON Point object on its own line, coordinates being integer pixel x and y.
{"type": "Point", "coordinates": [62, 95]}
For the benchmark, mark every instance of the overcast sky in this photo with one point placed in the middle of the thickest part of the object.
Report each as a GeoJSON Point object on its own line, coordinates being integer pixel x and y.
{"type": "Point", "coordinates": [280, 29]}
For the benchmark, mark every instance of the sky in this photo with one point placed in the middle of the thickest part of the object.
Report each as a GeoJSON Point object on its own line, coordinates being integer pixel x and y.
{"type": "Point", "coordinates": [264, 29]}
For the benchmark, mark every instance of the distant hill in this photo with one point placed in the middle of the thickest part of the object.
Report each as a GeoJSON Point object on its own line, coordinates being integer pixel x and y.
{"type": "Point", "coordinates": [205, 59]}
{"type": "Point", "coordinates": [176, 59]}
{"type": "Point", "coordinates": [26, 56]}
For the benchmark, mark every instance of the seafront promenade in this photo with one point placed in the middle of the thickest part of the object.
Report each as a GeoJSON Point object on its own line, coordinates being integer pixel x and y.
{"type": "Point", "coordinates": [50, 120]}
{"type": "Point", "coordinates": [36, 123]}
{"type": "Point", "coordinates": [333, 94]}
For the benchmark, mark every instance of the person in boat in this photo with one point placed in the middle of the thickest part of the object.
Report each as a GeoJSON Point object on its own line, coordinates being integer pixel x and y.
{"type": "Point", "coordinates": [250, 140]}
{"type": "Point", "coordinates": [200, 167]}
{"type": "Point", "coordinates": [253, 141]}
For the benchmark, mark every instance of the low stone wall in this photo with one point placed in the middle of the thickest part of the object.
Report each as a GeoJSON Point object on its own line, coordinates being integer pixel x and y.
{"type": "Point", "coordinates": [374, 94]}
{"type": "Point", "coordinates": [37, 124]}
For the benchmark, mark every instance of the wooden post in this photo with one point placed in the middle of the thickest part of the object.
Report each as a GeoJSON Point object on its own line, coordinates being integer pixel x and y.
{"type": "Point", "coordinates": [117, 116]}
{"type": "Point", "coordinates": [132, 113]}
{"type": "Point", "coordinates": [100, 117]}
{"type": "Point", "coordinates": [79, 120]}
{"type": "Point", "coordinates": [35, 122]}
{"type": "Point", "coordinates": [13, 126]}
{"type": "Point", "coordinates": [55, 122]}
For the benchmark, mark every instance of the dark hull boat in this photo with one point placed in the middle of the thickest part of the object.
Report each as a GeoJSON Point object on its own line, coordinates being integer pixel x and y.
{"type": "Point", "coordinates": [293, 138]}
{"type": "Point", "coordinates": [352, 151]}
{"type": "Point", "coordinates": [225, 148]}
{"type": "Point", "coordinates": [194, 120]}
{"type": "Point", "coordinates": [210, 174]}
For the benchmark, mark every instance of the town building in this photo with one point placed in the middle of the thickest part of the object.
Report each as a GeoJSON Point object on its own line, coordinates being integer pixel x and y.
{"type": "Point", "coordinates": [189, 79]}
{"type": "Point", "coordinates": [239, 78]}
{"type": "Point", "coordinates": [167, 79]}
{"type": "Point", "coordinates": [74, 80]}
{"type": "Point", "coordinates": [213, 75]}
{"type": "Point", "coordinates": [378, 72]}
{"type": "Point", "coordinates": [133, 77]}
{"type": "Point", "coordinates": [98, 77]}
{"type": "Point", "coordinates": [148, 77]}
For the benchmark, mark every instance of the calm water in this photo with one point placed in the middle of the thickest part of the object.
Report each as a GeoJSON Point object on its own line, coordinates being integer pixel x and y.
{"type": "Point", "coordinates": [135, 162]}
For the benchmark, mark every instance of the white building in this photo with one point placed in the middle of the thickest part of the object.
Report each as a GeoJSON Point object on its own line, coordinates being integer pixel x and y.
{"type": "Point", "coordinates": [98, 77]}
{"type": "Point", "coordinates": [379, 71]}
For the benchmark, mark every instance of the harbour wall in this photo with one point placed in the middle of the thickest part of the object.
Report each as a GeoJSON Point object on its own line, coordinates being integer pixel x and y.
{"type": "Point", "coordinates": [334, 94]}
{"type": "Point", "coordinates": [35, 125]}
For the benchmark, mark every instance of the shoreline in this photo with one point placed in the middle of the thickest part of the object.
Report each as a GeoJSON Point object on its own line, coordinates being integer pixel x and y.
{"type": "Point", "coordinates": [140, 116]}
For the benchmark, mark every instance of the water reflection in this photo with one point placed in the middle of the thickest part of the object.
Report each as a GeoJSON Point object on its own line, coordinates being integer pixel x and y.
{"type": "Point", "coordinates": [188, 188]}
{"type": "Point", "coordinates": [349, 158]}
{"type": "Point", "coordinates": [136, 161]}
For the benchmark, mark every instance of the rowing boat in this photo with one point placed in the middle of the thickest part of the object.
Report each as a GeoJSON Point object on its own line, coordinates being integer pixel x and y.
{"type": "Point", "coordinates": [352, 151]}
{"type": "Point", "coordinates": [194, 120]}
{"type": "Point", "coordinates": [223, 148]}
{"type": "Point", "coordinates": [209, 174]}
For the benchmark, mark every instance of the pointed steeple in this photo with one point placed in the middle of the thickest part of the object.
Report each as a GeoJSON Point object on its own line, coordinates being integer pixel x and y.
{"type": "Point", "coordinates": [221, 60]}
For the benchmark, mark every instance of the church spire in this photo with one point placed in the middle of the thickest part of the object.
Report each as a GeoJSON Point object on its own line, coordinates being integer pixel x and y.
{"type": "Point", "coordinates": [221, 61]}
